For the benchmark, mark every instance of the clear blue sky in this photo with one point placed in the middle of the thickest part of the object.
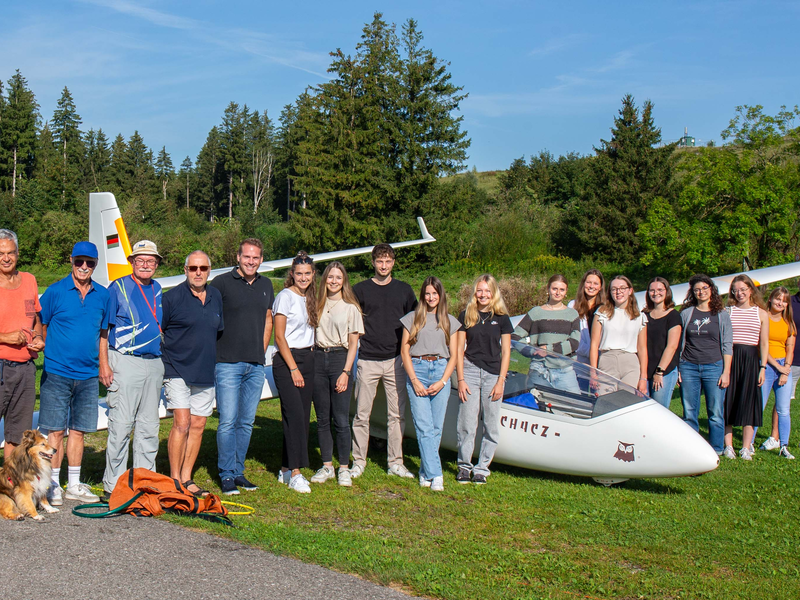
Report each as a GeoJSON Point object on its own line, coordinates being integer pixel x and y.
{"type": "Point", "coordinates": [540, 75]}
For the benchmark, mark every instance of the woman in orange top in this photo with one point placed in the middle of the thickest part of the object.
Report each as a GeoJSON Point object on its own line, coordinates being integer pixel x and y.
{"type": "Point", "coordinates": [782, 336]}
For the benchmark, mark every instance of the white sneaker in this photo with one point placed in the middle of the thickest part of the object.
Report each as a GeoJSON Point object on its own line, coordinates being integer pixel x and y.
{"type": "Point", "coordinates": [54, 496]}
{"type": "Point", "coordinates": [356, 471]}
{"type": "Point", "coordinates": [745, 454]}
{"type": "Point", "coordinates": [323, 475]}
{"type": "Point", "coordinates": [785, 453]}
{"type": "Point", "coordinates": [728, 452]}
{"type": "Point", "coordinates": [424, 482]}
{"type": "Point", "coordinates": [437, 485]}
{"type": "Point", "coordinates": [770, 444]}
{"type": "Point", "coordinates": [299, 484]}
{"type": "Point", "coordinates": [400, 470]}
{"type": "Point", "coordinates": [284, 477]}
{"type": "Point", "coordinates": [345, 477]}
{"type": "Point", "coordinates": [81, 493]}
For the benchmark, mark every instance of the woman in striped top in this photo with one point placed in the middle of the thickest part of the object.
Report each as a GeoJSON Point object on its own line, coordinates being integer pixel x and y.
{"type": "Point", "coordinates": [556, 328]}
{"type": "Point", "coordinates": [750, 325]}
{"type": "Point", "coordinates": [778, 374]}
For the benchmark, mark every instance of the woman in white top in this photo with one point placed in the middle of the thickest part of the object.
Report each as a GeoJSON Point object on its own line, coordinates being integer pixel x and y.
{"type": "Point", "coordinates": [339, 327]}
{"type": "Point", "coordinates": [429, 351]}
{"type": "Point", "coordinates": [293, 366]}
{"type": "Point", "coordinates": [619, 336]}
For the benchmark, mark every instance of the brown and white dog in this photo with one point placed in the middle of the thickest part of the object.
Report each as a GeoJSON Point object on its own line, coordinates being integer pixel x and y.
{"type": "Point", "coordinates": [25, 478]}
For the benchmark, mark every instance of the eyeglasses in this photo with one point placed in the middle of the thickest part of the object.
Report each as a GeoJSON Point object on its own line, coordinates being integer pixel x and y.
{"type": "Point", "coordinates": [701, 290]}
{"type": "Point", "coordinates": [193, 268]}
{"type": "Point", "coordinates": [79, 262]}
{"type": "Point", "coordinates": [303, 260]}
{"type": "Point", "coordinates": [619, 290]}
{"type": "Point", "coordinates": [141, 262]}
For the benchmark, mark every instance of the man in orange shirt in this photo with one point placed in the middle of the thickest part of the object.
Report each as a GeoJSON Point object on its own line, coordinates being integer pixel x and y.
{"type": "Point", "coordinates": [20, 342]}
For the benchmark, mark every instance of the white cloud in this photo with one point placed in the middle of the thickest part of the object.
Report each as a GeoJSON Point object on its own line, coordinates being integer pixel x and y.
{"type": "Point", "coordinates": [556, 44]}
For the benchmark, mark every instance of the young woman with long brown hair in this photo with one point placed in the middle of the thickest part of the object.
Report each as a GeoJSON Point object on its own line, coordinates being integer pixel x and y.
{"type": "Point", "coordinates": [339, 326]}
{"type": "Point", "coordinates": [591, 295]}
{"type": "Point", "coordinates": [619, 336]}
{"type": "Point", "coordinates": [778, 376]}
{"type": "Point", "coordinates": [429, 350]}
{"type": "Point", "coordinates": [663, 338]}
{"type": "Point", "coordinates": [295, 311]}
{"type": "Point", "coordinates": [750, 326]}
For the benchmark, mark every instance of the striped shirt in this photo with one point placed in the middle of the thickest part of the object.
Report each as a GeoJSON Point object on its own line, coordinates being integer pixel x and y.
{"type": "Point", "coordinates": [746, 325]}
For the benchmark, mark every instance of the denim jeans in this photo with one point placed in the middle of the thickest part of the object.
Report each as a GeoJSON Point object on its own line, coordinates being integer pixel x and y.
{"type": "Point", "coordinates": [332, 406]}
{"type": "Point", "coordinates": [664, 395]}
{"type": "Point", "coordinates": [479, 405]}
{"type": "Point", "coordinates": [68, 403]}
{"type": "Point", "coordinates": [783, 398]}
{"type": "Point", "coordinates": [705, 378]}
{"type": "Point", "coordinates": [238, 386]}
{"type": "Point", "coordinates": [428, 413]}
{"type": "Point", "coordinates": [560, 379]}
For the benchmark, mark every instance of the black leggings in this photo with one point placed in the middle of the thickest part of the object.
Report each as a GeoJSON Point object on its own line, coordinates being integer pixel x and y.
{"type": "Point", "coordinates": [295, 406]}
{"type": "Point", "coordinates": [330, 404]}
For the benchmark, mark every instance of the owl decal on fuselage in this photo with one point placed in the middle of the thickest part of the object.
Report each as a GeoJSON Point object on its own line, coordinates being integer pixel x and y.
{"type": "Point", "coordinates": [624, 452]}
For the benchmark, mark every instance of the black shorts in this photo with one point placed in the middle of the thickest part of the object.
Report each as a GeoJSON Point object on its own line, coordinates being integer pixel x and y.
{"type": "Point", "coordinates": [17, 398]}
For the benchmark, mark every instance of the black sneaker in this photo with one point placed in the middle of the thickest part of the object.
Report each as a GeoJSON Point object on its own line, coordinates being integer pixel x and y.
{"type": "Point", "coordinates": [243, 482]}
{"type": "Point", "coordinates": [478, 479]}
{"type": "Point", "coordinates": [228, 487]}
{"type": "Point", "coordinates": [463, 475]}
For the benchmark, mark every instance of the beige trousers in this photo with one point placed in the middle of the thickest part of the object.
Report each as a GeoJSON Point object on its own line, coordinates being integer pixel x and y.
{"type": "Point", "coordinates": [369, 374]}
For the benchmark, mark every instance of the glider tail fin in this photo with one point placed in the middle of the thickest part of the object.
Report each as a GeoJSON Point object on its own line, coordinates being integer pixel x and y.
{"type": "Point", "coordinates": [107, 232]}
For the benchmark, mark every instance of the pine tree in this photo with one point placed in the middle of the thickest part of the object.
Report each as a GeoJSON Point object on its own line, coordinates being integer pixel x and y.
{"type": "Point", "coordinates": [18, 134]}
{"type": "Point", "coordinates": [164, 170]}
{"type": "Point", "coordinates": [210, 173]}
{"type": "Point", "coordinates": [185, 172]}
{"type": "Point", "coordinates": [65, 126]}
{"type": "Point", "coordinates": [98, 158]}
{"type": "Point", "coordinates": [626, 175]}
{"type": "Point", "coordinates": [119, 172]}
{"type": "Point", "coordinates": [232, 140]}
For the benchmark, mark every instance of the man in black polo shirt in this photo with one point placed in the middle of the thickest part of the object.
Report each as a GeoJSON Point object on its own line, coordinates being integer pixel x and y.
{"type": "Point", "coordinates": [192, 319]}
{"type": "Point", "coordinates": [384, 302]}
{"type": "Point", "coordinates": [247, 299]}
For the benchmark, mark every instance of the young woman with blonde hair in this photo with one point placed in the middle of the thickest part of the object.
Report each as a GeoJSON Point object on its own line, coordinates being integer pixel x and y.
{"type": "Point", "coordinates": [484, 353]}
{"type": "Point", "coordinates": [429, 351]}
{"type": "Point", "coordinates": [339, 327]}
{"type": "Point", "coordinates": [750, 326]}
{"type": "Point", "coordinates": [295, 311]}
{"type": "Point", "coordinates": [778, 375]}
{"type": "Point", "coordinates": [619, 336]}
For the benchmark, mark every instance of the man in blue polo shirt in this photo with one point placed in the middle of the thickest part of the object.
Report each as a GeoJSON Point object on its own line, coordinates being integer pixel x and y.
{"type": "Point", "coordinates": [191, 321]}
{"type": "Point", "coordinates": [75, 318]}
{"type": "Point", "coordinates": [134, 355]}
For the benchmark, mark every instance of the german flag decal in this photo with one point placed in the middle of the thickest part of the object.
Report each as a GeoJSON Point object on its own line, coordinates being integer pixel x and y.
{"type": "Point", "coordinates": [112, 241]}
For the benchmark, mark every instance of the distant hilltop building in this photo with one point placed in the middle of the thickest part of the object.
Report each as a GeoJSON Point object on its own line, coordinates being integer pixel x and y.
{"type": "Point", "coordinates": [686, 141]}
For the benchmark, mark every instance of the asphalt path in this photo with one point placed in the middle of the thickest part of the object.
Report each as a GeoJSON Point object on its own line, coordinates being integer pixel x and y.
{"type": "Point", "coordinates": [69, 557]}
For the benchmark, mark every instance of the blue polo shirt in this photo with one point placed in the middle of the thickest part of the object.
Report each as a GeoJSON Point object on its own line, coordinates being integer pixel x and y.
{"type": "Point", "coordinates": [73, 328]}
{"type": "Point", "coordinates": [190, 330]}
{"type": "Point", "coordinates": [135, 329]}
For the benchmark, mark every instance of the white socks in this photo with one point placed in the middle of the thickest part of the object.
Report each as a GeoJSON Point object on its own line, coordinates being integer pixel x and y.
{"type": "Point", "coordinates": [54, 474]}
{"type": "Point", "coordinates": [73, 476]}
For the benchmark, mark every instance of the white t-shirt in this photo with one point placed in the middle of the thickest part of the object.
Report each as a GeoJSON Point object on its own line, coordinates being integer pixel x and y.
{"type": "Point", "coordinates": [338, 320]}
{"type": "Point", "coordinates": [621, 332]}
{"type": "Point", "coordinates": [299, 334]}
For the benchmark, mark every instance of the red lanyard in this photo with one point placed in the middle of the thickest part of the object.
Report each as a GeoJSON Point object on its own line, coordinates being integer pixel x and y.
{"type": "Point", "coordinates": [152, 310]}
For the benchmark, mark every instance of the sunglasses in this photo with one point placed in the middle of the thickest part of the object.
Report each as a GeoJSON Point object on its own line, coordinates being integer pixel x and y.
{"type": "Point", "coordinates": [79, 262]}
{"type": "Point", "coordinates": [201, 268]}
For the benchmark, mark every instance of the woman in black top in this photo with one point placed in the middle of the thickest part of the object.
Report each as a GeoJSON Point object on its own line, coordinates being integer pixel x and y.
{"type": "Point", "coordinates": [663, 338]}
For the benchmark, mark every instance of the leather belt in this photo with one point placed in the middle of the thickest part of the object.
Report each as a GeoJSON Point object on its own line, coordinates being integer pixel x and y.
{"type": "Point", "coordinates": [332, 349]}
{"type": "Point", "coordinates": [429, 357]}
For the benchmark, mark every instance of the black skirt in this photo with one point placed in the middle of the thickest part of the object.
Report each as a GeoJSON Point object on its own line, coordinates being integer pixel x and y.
{"type": "Point", "coordinates": [743, 396]}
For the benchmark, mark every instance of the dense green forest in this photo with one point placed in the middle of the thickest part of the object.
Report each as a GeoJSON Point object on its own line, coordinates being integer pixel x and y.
{"type": "Point", "coordinates": [352, 161]}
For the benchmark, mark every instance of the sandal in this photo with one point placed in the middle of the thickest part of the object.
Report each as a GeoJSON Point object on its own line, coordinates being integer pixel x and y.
{"type": "Point", "coordinates": [200, 493]}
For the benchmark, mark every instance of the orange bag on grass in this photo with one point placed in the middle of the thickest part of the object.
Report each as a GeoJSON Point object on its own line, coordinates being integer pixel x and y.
{"type": "Point", "coordinates": [160, 494]}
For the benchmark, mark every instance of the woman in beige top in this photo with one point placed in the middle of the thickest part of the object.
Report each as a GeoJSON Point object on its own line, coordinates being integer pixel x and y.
{"type": "Point", "coordinates": [340, 325]}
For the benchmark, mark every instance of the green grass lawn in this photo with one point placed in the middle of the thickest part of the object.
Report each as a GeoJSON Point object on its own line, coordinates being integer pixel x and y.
{"type": "Point", "coordinates": [526, 534]}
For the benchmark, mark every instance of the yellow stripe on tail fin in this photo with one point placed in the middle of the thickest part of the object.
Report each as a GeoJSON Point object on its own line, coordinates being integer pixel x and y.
{"type": "Point", "coordinates": [107, 232]}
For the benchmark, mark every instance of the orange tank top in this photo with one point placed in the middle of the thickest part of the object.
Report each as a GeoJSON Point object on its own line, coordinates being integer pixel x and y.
{"type": "Point", "coordinates": [19, 308]}
{"type": "Point", "coordinates": [778, 334]}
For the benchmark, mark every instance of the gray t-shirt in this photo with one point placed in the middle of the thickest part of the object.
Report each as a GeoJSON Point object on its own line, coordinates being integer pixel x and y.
{"type": "Point", "coordinates": [430, 339]}
{"type": "Point", "coordinates": [701, 345]}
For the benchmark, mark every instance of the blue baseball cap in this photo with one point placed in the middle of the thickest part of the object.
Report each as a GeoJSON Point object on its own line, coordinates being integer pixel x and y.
{"type": "Point", "coordinates": [85, 249]}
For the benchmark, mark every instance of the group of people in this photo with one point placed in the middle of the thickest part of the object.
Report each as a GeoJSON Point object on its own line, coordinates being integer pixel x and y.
{"type": "Point", "coordinates": [206, 341]}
